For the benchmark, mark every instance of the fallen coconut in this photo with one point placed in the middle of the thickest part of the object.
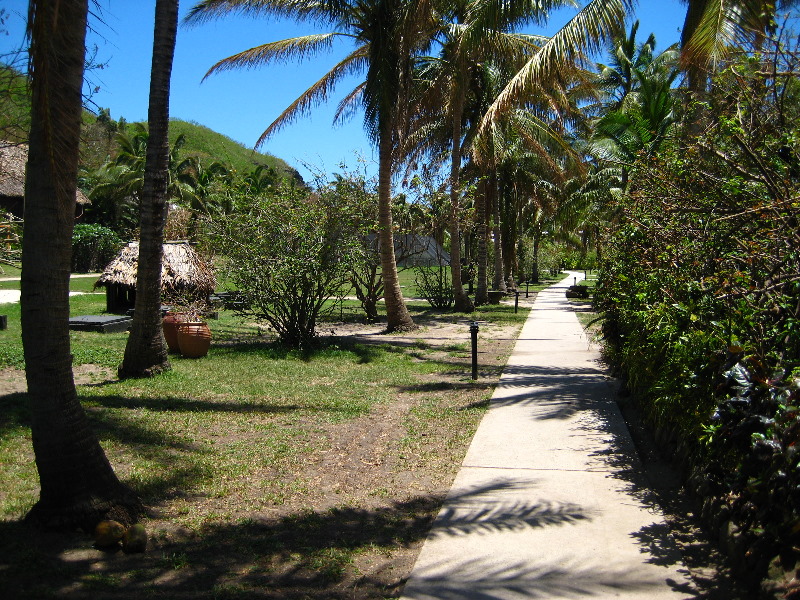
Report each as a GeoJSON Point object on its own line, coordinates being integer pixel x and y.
{"type": "Point", "coordinates": [135, 539]}
{"type": "Point", "coordinates": [108, 533]}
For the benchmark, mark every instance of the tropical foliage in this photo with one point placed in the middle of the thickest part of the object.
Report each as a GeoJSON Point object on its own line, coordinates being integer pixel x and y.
{"type": "Point", "coordinates": [288, 254]}
{"type": "Point", "coordinates": [700, 290]}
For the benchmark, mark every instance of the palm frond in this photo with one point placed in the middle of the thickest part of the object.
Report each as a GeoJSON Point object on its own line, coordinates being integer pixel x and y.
{"type": "Point", "coordinates": [297, 48]}
{"type": "Point", "coordinates": [349, 105]}
{"type": "Point", "coordinates": [584, 33]}
{"type": "Point", "coordinates": [317, 93]}
{"type": "Point", "coordinates": [300, 10]}
{"type": "Point", "coordinates": [715, 32]}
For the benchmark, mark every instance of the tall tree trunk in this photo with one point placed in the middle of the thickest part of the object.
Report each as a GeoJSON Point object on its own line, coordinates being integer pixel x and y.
{"type": "Point", "coordinates": [508, 235]}
{"type": "Point", "coordinates": [499, 282]}
{"type": "Point", "coordinates": [481, 295]}
{"type": "Point", "coordinates": [695, 65]}
{"type": "Point", "coordinates": [462, 302]}
{"type": "Point", "coordinates": [78, 485]}
{"type": "Point", "coordinates": [397, 315]}
{"type": "Point", "coordinates": [146, 351]}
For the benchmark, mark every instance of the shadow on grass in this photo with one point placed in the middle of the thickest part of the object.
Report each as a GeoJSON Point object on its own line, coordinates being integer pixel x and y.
{"type": "Point", "coordinates": [175, 403]}
{"type": "Point", "coordinates": [14, 411]}
{"type": "Point", "coordinates": [269, 349]}
{"type": "Point", "coordinates": [303, 555]}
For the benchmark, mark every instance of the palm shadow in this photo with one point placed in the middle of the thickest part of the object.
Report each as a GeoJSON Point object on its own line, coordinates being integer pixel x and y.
{"type": "Point", "coordinates": [294, 556]}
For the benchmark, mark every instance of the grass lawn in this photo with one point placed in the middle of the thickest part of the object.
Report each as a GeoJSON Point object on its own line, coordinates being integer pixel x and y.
{"type": "Point", "coordinates": [267, 473]}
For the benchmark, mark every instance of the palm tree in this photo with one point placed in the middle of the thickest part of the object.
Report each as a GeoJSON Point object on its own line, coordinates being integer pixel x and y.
{"type": "Point", "coordinates": [116, 186]}
{"type": "Point", "coordinates": [207, 192]}
{"type": "Point", "coordinates": [642, 107]}
{"type": "Point", "coordinates": [112, 192]}
{"type": "Point", "coordinates": [259, 181]}
{"type": "Point", "coordinates": [713, 27]}
{"type": "Point", "coordinates": [454, 75]}
{"type": "Point", "coordinates": [146, 351]}
{"type": "Point", "coordinates": [586, 32]}
{"type": "Point", "coordinates": [388, 34]}
{"type": "Point", "coordinates": [619, 78]}
{"type": "Point", "coordinates": [78, 485]}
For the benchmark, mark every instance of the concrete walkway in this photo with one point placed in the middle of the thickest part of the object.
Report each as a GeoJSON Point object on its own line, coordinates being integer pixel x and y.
{"type": "Point", "coordinates": [549, 501]}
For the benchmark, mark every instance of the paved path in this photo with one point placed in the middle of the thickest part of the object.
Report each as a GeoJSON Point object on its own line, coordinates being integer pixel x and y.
{"type": "Point", "coordinates": [10, 296]}
{"type": "Point", "coordinates": [548, 502]}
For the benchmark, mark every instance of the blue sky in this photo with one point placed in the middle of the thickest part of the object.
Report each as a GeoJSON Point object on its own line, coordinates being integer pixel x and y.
{"type": "Point", "coordinates": [241, 104]}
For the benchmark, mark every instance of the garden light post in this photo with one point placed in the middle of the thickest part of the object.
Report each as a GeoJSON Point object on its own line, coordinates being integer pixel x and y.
{"type": "Point", "coordinates": [473, 330]}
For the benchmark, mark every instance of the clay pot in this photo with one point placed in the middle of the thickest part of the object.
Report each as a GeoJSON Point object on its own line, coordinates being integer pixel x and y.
{"type": "Point", "coordinates": [194, 339]}
{"type": "Point", "coordinates": [170, 324]}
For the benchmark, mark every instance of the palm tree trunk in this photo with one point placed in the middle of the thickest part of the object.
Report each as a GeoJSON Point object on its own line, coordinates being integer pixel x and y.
{"type": "Point", "coordinates": [462, 302]}
{"type": "Point", "coordinates": [697, 77]}
{"type": "Point", "coordinates": [481, 290]}
{"type": "Point", "coordinates": [397, 315]}
{"type": "Point", "coordinates": [146, 351]}
{"type": "Point", "coordinates": [509, 234]}
{"type": "Point", "coordinates": [499, 282]}
{"type": "Point", "coordinates": [78, 485]}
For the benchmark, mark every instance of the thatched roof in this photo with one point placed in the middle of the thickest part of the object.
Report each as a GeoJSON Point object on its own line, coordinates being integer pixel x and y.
{"type": "Point", "coordinates": [181, 269]}
{"type": "Point", "coordinates": [13, 158]}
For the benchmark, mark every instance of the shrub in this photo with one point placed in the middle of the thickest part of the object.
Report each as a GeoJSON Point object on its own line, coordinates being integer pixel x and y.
{"type": "Point", "coordinates": [93, 247]}
{"type": "Point", "coordinates": [434, 285]}
{"type": "Point", "coordinates": [701, 294]}
{"type": "Point", "coordinates": [288, 255]}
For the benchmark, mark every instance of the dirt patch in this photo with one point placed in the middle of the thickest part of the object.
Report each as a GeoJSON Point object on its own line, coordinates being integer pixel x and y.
{"type": "Point", "coordinates": [12, 381]}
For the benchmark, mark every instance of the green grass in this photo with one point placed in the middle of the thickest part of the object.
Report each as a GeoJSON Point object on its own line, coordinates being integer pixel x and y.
{"type": "Point", "coordinates": [10, 271]}
{"type": "Point", "coordinates": [218, 444]}
{"type": "Point", "coordinates": [210, 146]}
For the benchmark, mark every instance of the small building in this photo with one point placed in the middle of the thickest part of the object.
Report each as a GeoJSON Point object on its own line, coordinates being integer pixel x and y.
{"type": "Point", "coordinates": [413, 250]}
{"type": "Point", "coordinates": [13, 159]}
{"type": "Point", "coordinates": [184, 276]}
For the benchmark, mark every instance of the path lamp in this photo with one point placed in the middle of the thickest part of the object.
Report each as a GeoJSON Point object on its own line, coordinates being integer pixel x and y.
{"type": "Point", "coordinates": [473, 330]}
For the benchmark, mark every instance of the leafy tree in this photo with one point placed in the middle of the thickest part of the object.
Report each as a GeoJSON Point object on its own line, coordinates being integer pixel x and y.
{"type": "Point", "coordinates": [358, 194]}
{"type": "Point", "coordinates": [78, 485]}
{"type": "Point", "coordinates": [146, 351]}
{"type": "Point", "coordinates": [354, 196]}
{"type": "Point", "coordinates": [701, 293]}
{"type": "Point", "coordinates": [288, 255]}
{"type": "Point", "coordinates": [388, 35]}
{"type": "Point", "coordinates": [93, 247]}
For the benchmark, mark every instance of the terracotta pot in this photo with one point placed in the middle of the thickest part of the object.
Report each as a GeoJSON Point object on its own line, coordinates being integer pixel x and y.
{"type": "Point", "coordinates": [194, 338]}
{"type": "Point", "coordinates": [170, 324]}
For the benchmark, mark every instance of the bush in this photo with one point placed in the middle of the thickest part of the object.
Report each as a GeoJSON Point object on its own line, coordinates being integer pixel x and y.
{"type": "Point", "coordinates": [287, 255]}
{"type": "Point", "coordinates": [701, 296]}
{"type": "Point", "coordinates": [434, 285]}
{"type": "Point", "coordinates": [93, 247]}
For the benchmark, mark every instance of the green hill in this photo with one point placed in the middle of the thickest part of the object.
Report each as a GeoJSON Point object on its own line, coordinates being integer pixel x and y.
{"type": "Point", "coordinates": [97, 137]}
{"type": "Point", "coordinates": [207, 143]}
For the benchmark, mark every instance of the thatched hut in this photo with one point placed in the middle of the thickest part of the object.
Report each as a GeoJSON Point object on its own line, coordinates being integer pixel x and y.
{"type": "Point", "coordinates": [184, 276]}
{"type": "Point", "coordinates": [13, 158]}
